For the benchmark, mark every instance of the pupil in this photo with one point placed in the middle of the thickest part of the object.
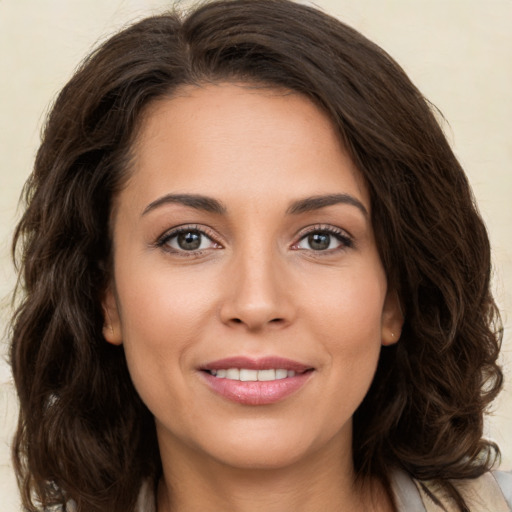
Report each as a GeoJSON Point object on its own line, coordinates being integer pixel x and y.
{"type": "Point", "coordinates": [189, 241]}
{"type": "Point", "coordinates": [319, 241]}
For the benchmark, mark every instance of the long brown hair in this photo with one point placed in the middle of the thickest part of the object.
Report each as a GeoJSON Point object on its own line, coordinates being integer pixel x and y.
{"type": "Point", "coordinates": [83, 432]}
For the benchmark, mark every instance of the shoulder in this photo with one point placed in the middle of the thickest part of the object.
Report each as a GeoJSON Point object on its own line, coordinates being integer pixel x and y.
{"type": "Point", "coordinates": [491, 491]}
{"type": "Point", "coordinates": [504, 480]}
{"type": "Point", "coordinates": [147, 498]}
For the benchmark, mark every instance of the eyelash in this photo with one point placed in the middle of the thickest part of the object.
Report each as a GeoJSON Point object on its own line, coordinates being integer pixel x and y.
{"type": "Point", "coordinates": [169, 235]}
{"type": "Point", "coordinates": [340, 235]}
{"type": "Point", "coordinates": [346, 241]}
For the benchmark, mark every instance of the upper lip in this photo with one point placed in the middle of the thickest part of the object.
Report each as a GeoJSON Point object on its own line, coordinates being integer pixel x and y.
{"type": "Point", "coordinates": [262, 363]}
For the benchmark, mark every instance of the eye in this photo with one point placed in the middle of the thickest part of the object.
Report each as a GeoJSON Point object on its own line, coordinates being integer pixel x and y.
{"type": "Point", "coordinates": [187, 240]}
{"type": "Point", "coordinates": [324, 239]}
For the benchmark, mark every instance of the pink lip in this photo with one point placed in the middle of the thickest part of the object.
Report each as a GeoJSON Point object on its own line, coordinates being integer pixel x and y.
{"type": "Point", "coordinates": [256, 392]}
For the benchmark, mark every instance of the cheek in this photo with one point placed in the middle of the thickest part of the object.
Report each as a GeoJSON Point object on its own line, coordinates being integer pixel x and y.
{"type": "Point", "coordinates": [160, 306]}
{"type": "Point", "coordinates": [350, 305]}
{"type": "Point", "coordinates": [347, 321]}
{"type": "Point", "coordinates": [162, 316]}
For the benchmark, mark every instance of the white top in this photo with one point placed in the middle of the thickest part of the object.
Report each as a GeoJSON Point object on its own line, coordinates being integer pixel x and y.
{"type": "Point", "coordinates": [492, 492]}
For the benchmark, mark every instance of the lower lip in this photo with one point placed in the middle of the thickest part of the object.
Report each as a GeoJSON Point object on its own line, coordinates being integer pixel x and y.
{"type": "Point", "coordinates": [256, 392]}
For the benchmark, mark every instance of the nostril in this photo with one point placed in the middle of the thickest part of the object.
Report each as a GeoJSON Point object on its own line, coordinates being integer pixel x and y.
{"type": "Point", "coordinates": [272, 321]}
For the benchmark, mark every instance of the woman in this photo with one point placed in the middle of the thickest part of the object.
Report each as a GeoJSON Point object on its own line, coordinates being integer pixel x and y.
{"type": "Point", "coordinates": [254, 279]}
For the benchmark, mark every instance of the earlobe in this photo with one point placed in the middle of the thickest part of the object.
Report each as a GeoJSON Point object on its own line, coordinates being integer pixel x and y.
{"type": "Point", "coordinates": [392, 319]}
{"type": "Point", "coordinates": [111, 321]}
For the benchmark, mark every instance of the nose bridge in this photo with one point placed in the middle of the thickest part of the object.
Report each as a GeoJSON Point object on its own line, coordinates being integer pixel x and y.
{"type": "Point", "coordinates": [257, 296]}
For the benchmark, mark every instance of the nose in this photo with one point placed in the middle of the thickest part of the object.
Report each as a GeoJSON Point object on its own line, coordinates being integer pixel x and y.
{"type": "Point", "coordinates": [258, 293]}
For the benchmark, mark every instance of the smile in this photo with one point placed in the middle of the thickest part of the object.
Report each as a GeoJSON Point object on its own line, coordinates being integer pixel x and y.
{"type": "Point", "coordinates": [248, 375]}
{"type": "Point", "coordinates": [261, 381]}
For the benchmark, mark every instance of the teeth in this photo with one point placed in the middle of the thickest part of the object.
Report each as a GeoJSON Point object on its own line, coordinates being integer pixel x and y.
{"type": "Point", "coordinates": [233, 374]}
{"type": "Point", "coordinates": [246, 375]}
{"type": "Point", "coordinates": [281, 374]}
{"type": "Point", "coordinates": [266, 375]}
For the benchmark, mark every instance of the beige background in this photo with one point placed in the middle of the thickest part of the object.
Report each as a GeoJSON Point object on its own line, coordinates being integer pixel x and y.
{"type": "Point", "coordinates": [459, 53]}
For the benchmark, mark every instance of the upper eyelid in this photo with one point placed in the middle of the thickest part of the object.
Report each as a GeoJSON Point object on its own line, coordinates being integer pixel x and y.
{"type": "Point", "coordinates": [215, 237]}
{"type": "Point", "coordinates": [322, 227]}
{"type": "Point", "coordinates": [342, 234]}
{"type": "Point", "coordinates": [174, 231]}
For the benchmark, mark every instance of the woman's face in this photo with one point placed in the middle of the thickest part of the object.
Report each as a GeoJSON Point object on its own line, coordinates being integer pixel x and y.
{"type": "Point", "coordinates": [243, 249]}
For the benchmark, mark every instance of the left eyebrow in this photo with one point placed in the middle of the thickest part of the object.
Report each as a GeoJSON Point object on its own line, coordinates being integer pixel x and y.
{"type": "Point", "coordinates": [312, 203]}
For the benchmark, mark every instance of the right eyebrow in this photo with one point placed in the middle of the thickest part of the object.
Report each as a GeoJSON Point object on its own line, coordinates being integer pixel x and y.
{"type": "Point", "coordinates": [197, 201]}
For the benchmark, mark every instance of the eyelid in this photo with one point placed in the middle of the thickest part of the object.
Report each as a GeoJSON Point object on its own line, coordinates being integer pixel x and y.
{"type": "Point", "coordinates": [346, 239]}
{"type": "Point", "coordinates": [164, 238]}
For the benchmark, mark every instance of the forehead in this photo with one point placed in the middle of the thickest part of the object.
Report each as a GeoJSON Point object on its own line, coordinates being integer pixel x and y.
{"type": "Point", "coordinates": [238, 139]}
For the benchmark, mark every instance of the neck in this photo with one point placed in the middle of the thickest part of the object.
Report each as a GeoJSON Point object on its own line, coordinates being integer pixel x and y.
{"type": "Point", "coordinates": [320, 482]}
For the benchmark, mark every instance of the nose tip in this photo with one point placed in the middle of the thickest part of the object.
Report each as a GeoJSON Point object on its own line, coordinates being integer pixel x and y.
{"type": "Point", "coordinates": [257, 297]}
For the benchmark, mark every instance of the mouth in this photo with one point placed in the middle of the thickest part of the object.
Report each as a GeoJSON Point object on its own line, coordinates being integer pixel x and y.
{"type": "Point", "coordinates": [256, 381]}
{"type": "Point", "coordinates": [249, 375]}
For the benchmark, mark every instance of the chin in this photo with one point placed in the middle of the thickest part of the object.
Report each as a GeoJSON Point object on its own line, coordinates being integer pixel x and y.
{"type": "Point", "coordinates": [267, 449]}
{"type": "Point", "coordinates": [258, 457]}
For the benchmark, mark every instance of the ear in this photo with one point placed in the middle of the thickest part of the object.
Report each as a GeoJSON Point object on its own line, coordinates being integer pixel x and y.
{"type": "Point", "coordinates": [392, 319]}
{"type": "Point", "coordinates": [111, 319]}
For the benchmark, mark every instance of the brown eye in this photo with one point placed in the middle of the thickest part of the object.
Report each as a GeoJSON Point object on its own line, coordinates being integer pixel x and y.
{"type": "Point", "coordinates": [319, 241]}
{"type": "Point", "coordinates": [324, 239]}
{"type": "Point", "coordinates": [189, 241]}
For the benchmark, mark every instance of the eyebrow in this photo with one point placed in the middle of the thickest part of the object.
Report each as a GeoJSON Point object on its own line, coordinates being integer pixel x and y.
{"type": "Point", "coordinates": [197, 201]}
{"type": "Point", "coordinates": [309, 204]}
{"type": "Point", "coordinates": [208, 204]}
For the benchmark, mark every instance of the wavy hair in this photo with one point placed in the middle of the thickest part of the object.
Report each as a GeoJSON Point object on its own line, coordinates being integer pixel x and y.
{"type": "Point", "coordinates": [83, 432]}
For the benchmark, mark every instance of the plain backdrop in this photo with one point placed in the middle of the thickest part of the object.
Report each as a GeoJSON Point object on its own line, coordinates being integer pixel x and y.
{"type": "Point", "coordinates": [458, 52]}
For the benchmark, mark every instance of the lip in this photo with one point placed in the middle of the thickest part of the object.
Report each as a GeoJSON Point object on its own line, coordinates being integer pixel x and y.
{"type": "Point", "coordinates": [256, 392]}
{"type": "Point", "coordinates": [262, 363]}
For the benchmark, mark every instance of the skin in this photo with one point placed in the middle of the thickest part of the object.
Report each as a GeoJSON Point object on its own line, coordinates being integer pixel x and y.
{"type": "Point", "coordinates": [256, 287]}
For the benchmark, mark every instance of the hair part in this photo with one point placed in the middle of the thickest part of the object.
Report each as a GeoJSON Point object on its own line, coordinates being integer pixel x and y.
{"type": "Point", "coordinates": [83, 432]}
